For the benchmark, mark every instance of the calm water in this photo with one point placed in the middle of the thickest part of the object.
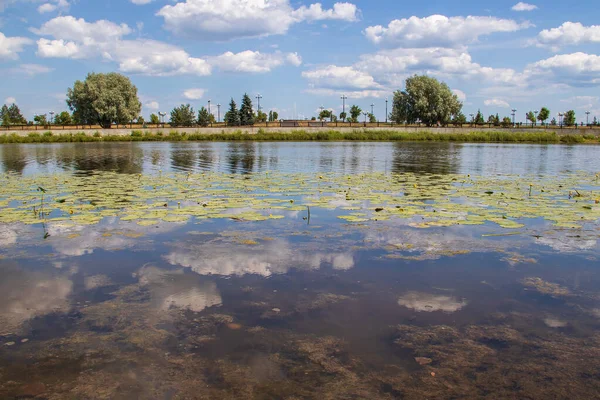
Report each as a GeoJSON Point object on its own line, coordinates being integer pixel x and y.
{"type": "Point", "coordinates": [303, 307]}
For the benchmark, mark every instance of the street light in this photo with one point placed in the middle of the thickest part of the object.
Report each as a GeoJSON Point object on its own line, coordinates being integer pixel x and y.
{"type": "Point", "coordinates": [344, 98]}
{"type": "Point", "coordinates": [536, 113]}
{"type": "Point", "coordinates": [514, 112]}
{"type": "Point", "coordinates": [320, 115]}
{"type": "Point", "coordinates": [587, 118]}
{"type": "Point", "coordinates": [258, 97]}
{"type": "Point", "coordinates": [218, 112]}
{"type": "Point", "coordinates": [560, 119]}
{"type": "Point", "coordinates": [365, 114]}
{"type": "Point", "coordinates": [386, 110]}
{"type": "Point", "coordinates": [372, 109]}
{"type": "Point", "coordinates": [209, 106]}
{"type": "Point", "coordinates": [472, 118]}
{"type": "Point", "coordinates": [51, 117]}
{"type": "Point", "coordinates": [162, 116]}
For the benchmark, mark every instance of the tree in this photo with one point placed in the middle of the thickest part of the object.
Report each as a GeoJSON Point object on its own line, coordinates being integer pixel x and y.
{"type": "Point", "coordinates": [530, 117]}
{"type": "Point", "coordinates": [15, 116]}
{"type": "Point", "coordinates": [595, 121]}
{"type": "Point", "coordinates": [372, 119]}
{"type": "Point", "coordinates": [459, 119]}
{"type": "Point", "coordinates": [183, 115]}
{"type": "Point", "coordinates": [343, 116]}
{"type": "Point", "coordinates": [203, 117]}
{"type": "Point", "coordinates": [543, 115]}
{"type": "Point", "coordinates": [154, 119]}
{"type": "Point", "coordinates": [246, 113]}
{"type": "Point", "coordinates": [479, 118]}
{"type": "Point", "coordinates": [4, 115]}
{"type": "Point", "coordinates": [104, 99]}
{"type": "Point", "coordinates": [553, 122]}
{"type": "Point", "coordinates": [232, 117]}
{"type": "Point", "coordinates": [494, 120]}
{"type": "Point", "coordinates": [261, 117]}
{"type": "Point", "coordinates": [355, 112]}
{"type": "Point", "coordinates": [40, 119]}
{"type": "Point", "coordinates": [425, 99]}
{"type": "Point", "coordinates": [64, 118]}
{"type": "Point", "coordinates": [324, 114]}
{"type": "Point", "coordinates": [570, 119]}
{"type": "Point", "coordinates": [273, 116]}
{"type": "Point", "coordinates": [506, 122]}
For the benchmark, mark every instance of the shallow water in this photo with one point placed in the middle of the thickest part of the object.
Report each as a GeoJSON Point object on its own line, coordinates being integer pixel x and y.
{"type": "Point", "coordinates": [269, 301]}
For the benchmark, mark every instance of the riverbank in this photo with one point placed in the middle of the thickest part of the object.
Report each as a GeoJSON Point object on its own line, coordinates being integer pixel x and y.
{"type": "Point", "coordinates": [499, 136]}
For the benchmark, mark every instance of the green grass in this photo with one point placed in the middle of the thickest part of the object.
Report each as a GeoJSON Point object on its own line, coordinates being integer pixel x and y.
{"type": "Point", "coordinates": [302, 135]}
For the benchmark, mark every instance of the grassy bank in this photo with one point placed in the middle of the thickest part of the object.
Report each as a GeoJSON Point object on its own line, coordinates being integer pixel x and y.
{"type": "Point", "coordinates": [300, 135]}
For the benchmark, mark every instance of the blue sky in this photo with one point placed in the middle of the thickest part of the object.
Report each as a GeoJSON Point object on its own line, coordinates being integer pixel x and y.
{"type": "Point", "coordinates": [300, 55]}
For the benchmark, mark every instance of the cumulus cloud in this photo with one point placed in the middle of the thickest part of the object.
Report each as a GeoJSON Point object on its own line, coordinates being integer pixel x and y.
{"type": "Point", "coordinates": [576, 70]}
{"type": "Point", "coordinates": [53, 5]}
{"type": "Point", "coordinates": [231, 19]}
{"type": "Point", "coordinates": [438, 31]}
{"type": "Point", "coordinates": [152, 105]}
{"type": "Point", "coordinates": [520, 6]}
{"type": "Point", "coordinates": [425, 302]}
{"type": "Point", "coordinates": [141, 2]}
{"type": "Point", "coordinates": [334, 77]}
{"type": "Point", "coordinates": [31, 69]}
{"type": "Point", "coordinates": [568, 34]}
{"type": "Point", "coordinates": [10, 47]}
{"type": "Point", "coordinates": [10, 100]}
{"type": "Point", "coordinates": [193, 94]}
{"type": "Point", "coordinates": [253, 61]}
{"type": "Point", "coordinates": [496, 103]}
{"type": "Point", "coordinates": [460, 94]}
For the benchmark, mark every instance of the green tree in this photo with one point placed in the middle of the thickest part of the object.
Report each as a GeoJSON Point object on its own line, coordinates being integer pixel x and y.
{"type": "Point", "coordinates": [355, 112]}
{"type": "Point", "coordinates": [531, 117]}
{"type": "Point", "coordinates": [275, 116]}
{"type": "Point", "coordinates": [154, 119]}
{"type": "Point", "coordinates": [325, 114]}
{"type": "Point", "coordinates": [595, 121]}
{"type": "Point", "coordinates": [246, 113]}
{"type": "Point", "coordinates": [425, 99]}
{"type": "Point", "coordinates": [543, 115]}
{"type": "Point", "coordinates": [104, 99]}
{"type": "Point", "coordinates": [203, 117]}
{"type": "Point", "coordinates": [270, 118]}
{"type": "Point", "coordinates": [506, 122]}
{"type": "Point", "coordinates": [4, 115]}
{"type": "Point", "coordinates": [570, 118]}
{"type": "Point", "coordinates": [183, 115]}
{"type": "Point", "coordinates": [15, 116]}
{"type": "Point", "coordinates": [261, 117]}
{"type": "Point", "coordinates": [343, 116]}
{"type": "Point", "coordinates": [141, 120]}
{"type": "Point", "coordinates": [40, 119]}
{"type": "Point", "coordinates": [372, 118]}
{"type": "Point", "coordinates": [553, 122]}
{"type": "Point", "coordinates": [64, 118]}
{"type": "Point", "coordinates": [479, 118]}
{"type": "Point", "coordinates": [459, 119]}
{"type": "Point", "coordinates": [232, 117]}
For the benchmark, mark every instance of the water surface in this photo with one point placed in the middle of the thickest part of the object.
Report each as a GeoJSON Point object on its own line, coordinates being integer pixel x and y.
{"type": "Point", "coordinates": [300, 306]}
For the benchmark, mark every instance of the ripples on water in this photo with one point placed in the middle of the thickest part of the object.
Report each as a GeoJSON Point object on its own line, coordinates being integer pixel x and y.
{"type": "Point", "coordinates": [296, 310]}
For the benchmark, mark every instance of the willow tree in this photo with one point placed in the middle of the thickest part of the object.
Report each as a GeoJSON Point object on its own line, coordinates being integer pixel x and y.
{"type": "Point", "coordinates": [427, 100]}
{"type": "Point", "coordinates": [104, 99]}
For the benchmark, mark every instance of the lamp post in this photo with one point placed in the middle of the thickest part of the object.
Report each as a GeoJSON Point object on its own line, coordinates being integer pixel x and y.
{"type": "Point", "coordinates": [372, 109]}
{"type": "Point", "coordinates": [209, 106]}
{"type": "Point", "coordinates": [536, 113]}
{"type": "Point", "coordinates": [218, 112]}
{"type": "Point", "coordinates": [587, 118]}
{"type": "Point", "coordinates": [51, 117]}
{"type": "Point", "coordinates": [344, 98]}
{"type": "Point", "coordinates": [320, 115]}
{"type": "Point", "coordinates": [258, 97]}
{"type": "Point", "coordinates": [386, 110]}
{"type": "Point", "coordinates": [560, 119]}
{"type": "Point", "coordinates": [514, 112]}
{"type": "Point", "coordinates": [365, 114]}
{"type": "Point", "coordinates": [162, 116]}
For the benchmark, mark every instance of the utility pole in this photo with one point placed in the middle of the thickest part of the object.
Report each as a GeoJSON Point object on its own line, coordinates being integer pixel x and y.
{"type": "Point", "coordinates": [514, 112]}
{"type": "Point", "coordinates": [218, 112]}
{"type": "Point", "coordinates": [386, 110]}
{"type": "Point", "coordinates": [209, 106]}
{"type": "Point", "coordinates": [344, 98]}
{"type": "Point", "coordinates": [258, 97]}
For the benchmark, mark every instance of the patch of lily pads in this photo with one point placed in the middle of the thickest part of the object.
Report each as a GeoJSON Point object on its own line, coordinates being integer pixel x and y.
{"type": "Point", "coordinates": [423, 200]}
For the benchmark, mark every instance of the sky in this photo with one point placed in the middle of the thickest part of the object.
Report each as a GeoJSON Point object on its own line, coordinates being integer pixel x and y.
{"type": "Point", "coordinates": [300, 55]}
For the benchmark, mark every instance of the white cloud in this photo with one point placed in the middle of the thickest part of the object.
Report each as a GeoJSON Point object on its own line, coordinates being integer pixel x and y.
{"type": "Point", "coordinates": [460, 94]}
{"type": "Point", "coordinates": [10, 100]}
{"type": "Point", "coordinates": [141, 2]}
{"type": "Point", "coordinates": [31, 69]}
{"type": "Point", "coordinates": [53, 6]}
{"type": "Point", "coordinates": [194, 94]}
{"type": "Point", "coordinates": [568, 34]}
{"type": "Point", "coordinates": [231, 19]}
{"type": "Point", "coordinates": [334, 77]}
{"type": "Point", "coordinates": [11, 46]}
{"type": "Point", "coordinates": [438, 31]}
{"type": "Point", "coordinates": [520, 6]}
{"type": "Point", "coordinates": [496, 103]}
{"type": "Point", "coordinates": [576, 69]}
{"type": "Point", "coordinates": [152, 105]}
{"type": "Point", "coordinates": [78, 39]}
{"type": "Point", "coordinates": [253, 61]}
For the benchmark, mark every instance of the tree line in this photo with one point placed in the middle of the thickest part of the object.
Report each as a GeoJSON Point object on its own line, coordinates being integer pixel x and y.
{"type": "Point", "coordinates": [106, 99]}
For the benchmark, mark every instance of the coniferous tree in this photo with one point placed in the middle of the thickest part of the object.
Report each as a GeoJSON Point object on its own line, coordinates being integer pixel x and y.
{"type": "Point", "coordinates": [232, 117]}
{"type": "Point", "coordinates": [16, 118]}
{"type": "Point", "coordinates": [183, 115]}
{"type": "Point", "coordinates": [246, 113]}
{"type": "Point", "coordinates": [570, 119]}
{"type": "Point", "coordinates": [203, 117]}
{"type": "Point", "coordinates": [4, 116]}
{"type": "Point", "coordinates": [479, 118]}
{"type": "Point", "coordinates": [154, 119]}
